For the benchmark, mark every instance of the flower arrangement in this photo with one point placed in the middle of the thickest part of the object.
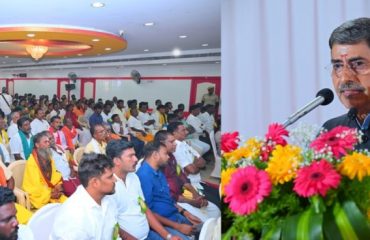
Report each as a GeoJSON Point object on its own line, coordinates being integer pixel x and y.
{"type": "Point", "coordinates": [308, 186]}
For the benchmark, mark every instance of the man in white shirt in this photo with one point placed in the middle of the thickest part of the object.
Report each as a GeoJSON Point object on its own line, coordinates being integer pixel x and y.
{"type": "Point", "coordinates": [189, 160]}
{"type": "Point", "coordinates": [199, 127]}
{"type": "Point", "coordinates": [21, 149]}
{"type": "Point", "coordinates": [39, 124]}
{"type": "Point", "coordinates": [5, 101]}
{"type": "Point", "coordinates": [120, 110]}
{"type": "Point", "coordinates": [133, 219]}
{"type": "Point", "coordinates": [145, 118]}
{"type": "Point", "coordinates": [207, 118]}
{"type": "Point", "coordinates": [88, 214]}
{"type": "Point", "coordinates": [106, 113]}
{"type": "Point", "coordinates": [13, 127]}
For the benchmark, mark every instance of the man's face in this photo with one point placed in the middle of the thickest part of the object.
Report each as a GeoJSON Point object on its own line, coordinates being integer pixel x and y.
{"type": "Point", "coordinates": [180, 133]}
{"type": "Point", "coordinates": [100, 133]}
{"type": "Point", "coordinates": [16, 117]}
{"type": "Point", "coordinates": [163, 156]}
{"type": "Point", "coordinates": [56, 124]}
{"type": "Point", "coordinates": [8, 222]}
{"type": "Point", "coordinates": [196, 112]}
{"type": "Point", "coordinates": [26, 127]}
{"type": "Point", "coordinates": [170, 143]}
{"type": "Point", "coordinates": [2, 123]}
{"type": "Point", "coordinates": [127, 161]}
{"type": "Point", "coordinates": [106, 182]}
{"type": "Point", "coordinates": [43, 143]}
{"type": "Point", "coordinates": [210, 91]}
{"type": "Point", "coordinates": [352, 78]}
{"type": "Point", "coordinates": [40, 114]}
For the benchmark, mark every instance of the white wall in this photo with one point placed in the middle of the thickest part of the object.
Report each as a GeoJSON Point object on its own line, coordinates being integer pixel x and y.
{"type": "Point", "coordinates": [37, 87]}
{"type": "Point", "coordinates": [177, 91]}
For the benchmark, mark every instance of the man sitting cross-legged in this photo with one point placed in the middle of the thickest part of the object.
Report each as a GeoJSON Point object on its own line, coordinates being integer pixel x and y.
{"type": "Point", "coordinates": [157, 193]}
{"type": "Point", "coordinates": [88, 214]}
{"type": "Point", "coordinates": [133, 218]}
{"type": "Point", "coordinates": [41, 179]}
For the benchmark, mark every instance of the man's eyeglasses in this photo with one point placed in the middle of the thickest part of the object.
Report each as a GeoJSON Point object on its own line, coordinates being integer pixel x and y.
{"type": "Point", "coordinates": [356, 67]}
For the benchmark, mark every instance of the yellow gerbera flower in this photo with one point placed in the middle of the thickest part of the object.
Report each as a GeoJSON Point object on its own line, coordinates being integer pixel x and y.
{"type": "Point", "coordinates": [226, 177]}
{"type": "Point", "coordinates": [283, 164]}
{"type": "Point", "coordinates": [251, 150]}
{"type": "Point", "coordinates": [355, 165]}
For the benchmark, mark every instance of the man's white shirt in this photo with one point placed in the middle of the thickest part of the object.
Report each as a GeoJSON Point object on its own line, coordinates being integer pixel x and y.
{"type": "Point", "coordinates": [80, 218]}
{"type": "Point", "coordinates": [38, 126]}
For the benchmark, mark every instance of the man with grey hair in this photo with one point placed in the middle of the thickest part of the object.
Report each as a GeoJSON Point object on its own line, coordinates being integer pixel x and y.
{"type": "Point", "coordinates": [350, 59]}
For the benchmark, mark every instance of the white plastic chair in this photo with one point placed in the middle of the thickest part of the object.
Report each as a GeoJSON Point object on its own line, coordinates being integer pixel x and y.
{"type": "Point", "coordinates": [208, 229]}
{"type": "Point", "coordinates": [41, 223]}
{"type": "Point", "coordinates": [217, 169]}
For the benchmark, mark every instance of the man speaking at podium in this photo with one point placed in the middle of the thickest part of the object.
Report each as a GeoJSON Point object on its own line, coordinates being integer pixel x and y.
{"type": "Point", "coordinates": [350, 60]}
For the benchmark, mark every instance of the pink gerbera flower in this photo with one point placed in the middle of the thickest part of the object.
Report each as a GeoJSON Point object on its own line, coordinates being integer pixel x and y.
{"type": "Point", "coordinates": [338, 141]}
{"type": "Point", "coordinates": [248, 187]}
{"type": "Point", "coordinates": [276, 133]}
{"type": "Point", "coordinates": [317, 178]}
{"type": "Point", "coordinates": [229, 141]}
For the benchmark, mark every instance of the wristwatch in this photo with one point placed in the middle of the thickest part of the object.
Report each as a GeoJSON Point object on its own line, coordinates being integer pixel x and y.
{"type": "Point", "coordinates": [169, 236]}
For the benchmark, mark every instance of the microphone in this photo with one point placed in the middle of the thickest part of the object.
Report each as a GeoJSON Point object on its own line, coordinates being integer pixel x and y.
{"type": "Point", "coordinates": [323, 97]}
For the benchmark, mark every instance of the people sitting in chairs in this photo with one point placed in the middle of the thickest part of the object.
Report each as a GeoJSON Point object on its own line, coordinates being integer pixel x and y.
{"type": "Point", "coordinates": [146, 119]}
{"type": "Point", "coordinates": [4, 138]}
{"type": "Point", "coordinates": [41, 179]}
{"type": "Point", "coordinates": [10, 229]}
{"type": "Point", "coordinates": [88, 213]}
{"type": "Point", "coordinates": [128, 196]}
{"type": "Point", "coordinates": [39, 124]}
{"type": "Point", "coordinates": [98, 142]}
{"type": "Point", "coordinates": [181, 190]}
{"type": "Point", "coordinates": [157, 193]}
{"type": "Point", "coordinates": [70, 132]}
{"type": "Point", "coordinates": [55, 130]}
{"type": "Point", "coordinates": [13, 127]}
{"type": "Point", "coordinates": [21, 144]}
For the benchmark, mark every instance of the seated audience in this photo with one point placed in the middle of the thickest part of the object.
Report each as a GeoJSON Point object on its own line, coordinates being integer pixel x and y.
{"type": "Point", "coordinates": [128, 196]}
{"type": "Point", "coordinates": [160, 117]}
{"type": "Point", "coordinates": [88, 213]}
{"type": "Point", "coordinates": [41, 179]}
{"type": "Point", "coordinates": [21, 144]}
{"type": "Point", "coordinates": [106, 113]}
{"type": "Point", "coordinates": [10, 229]}
{"type": "Point", "coordinates": [96, 117]}
{"type": "Point", "coordinates": [98, 141]}
{"type": "Point", "coordinates": [207, 118]}
{"type": "Point", "coordinates": [70, 114]}
{"type": "Point", "coordinates": [157, 193]}
{"type": "Point", "coordinates": [120, 110]}
{"type": "Point", "coordinates": [70, 132]}
{"type": "Point", "coordinates": [55, 130]}
{"type": "Point", "coordinates": [193, 202]}
{"type": "Point", "coordinates": [145, 118]}
{"type": "Point", "coordinates": [84, 134]}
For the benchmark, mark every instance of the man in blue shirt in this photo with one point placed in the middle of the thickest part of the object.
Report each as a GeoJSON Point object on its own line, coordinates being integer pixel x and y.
{"type": "Point", "coordinates": [157, 193]}
{"type": "Point", "coordinates": [96, 117]}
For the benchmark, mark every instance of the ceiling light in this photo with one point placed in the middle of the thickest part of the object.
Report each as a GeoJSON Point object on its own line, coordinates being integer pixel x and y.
{"type": "Point", "coordinates": [6, 56]}
{"type": "Point", "coordinates": [36, 51]}
{"type": "Point", "coordinates": [31, 35]}
{"type": "Point", "coordinates": [164, 64]}
{"type": "Point", "coordinates": [19, 61]}
{"type": "Point", "coordinates": [80, 54]}
{"type": "Point", "coordinates": [146, 50]}
{"type": "Point", "coordinates": [95, 40]}
{"type": "Point", "coordinates": [107, 49]}
{"type": "Point", "coordinates": [149, 24]}
{"type": "Point", "coordinates": [97, 4]}
{"type": "Point", "coordinates": [176, 52]}
{"type": "Point", "coordinates": [205, 45]}
{"type": "Point", "coordinates": [4, 62]}
{"type": "Point", "coordinates": [183, 36]}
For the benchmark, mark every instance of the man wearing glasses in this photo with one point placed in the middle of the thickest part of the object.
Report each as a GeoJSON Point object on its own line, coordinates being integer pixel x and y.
{"type": "Point", "coordinates": [350, 58]}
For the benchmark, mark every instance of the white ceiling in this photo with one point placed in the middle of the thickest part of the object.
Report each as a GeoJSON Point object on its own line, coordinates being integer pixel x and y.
{"type": "Point", "coordinates": [199, 20]}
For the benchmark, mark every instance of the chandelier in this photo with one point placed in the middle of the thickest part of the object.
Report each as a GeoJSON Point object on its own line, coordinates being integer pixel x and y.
{"type": "Point", "coordinates": [36, 52]}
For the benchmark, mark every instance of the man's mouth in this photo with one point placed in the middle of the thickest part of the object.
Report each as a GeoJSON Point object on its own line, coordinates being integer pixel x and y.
{"type": "Point", "coordinates": [351, 92]}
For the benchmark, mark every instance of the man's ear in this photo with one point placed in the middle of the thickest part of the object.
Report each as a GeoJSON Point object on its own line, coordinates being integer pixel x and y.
{"type": "Point", "coordinates": [94, 181]}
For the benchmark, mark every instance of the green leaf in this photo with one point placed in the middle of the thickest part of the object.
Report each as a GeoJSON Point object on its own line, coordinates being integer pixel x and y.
{"type": "Point", "coordinates": [304, 226]}
{"type": "Point", "coordinates": [345, 221]}
{"type": "Point", "coordinates": [272, 233]}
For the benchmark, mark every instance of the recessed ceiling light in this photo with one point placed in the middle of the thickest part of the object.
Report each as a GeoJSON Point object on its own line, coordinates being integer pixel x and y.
{"type": "Point", "coordinates": [95, 40]}
{"type": "Point", "coordinates": [4, 62]}
{"type": "Point", "coordinates": [107, 49]}
{"type": "Point", "coordinates": [19, 61]}
{"type": "Point", "coordinates": [6, 56]}
{"type": "Point", "coordinates": [205, 45]}
{"type": "Point", "coordinates": [31, 35]}
{"type": "Point", "coordinates": [97, 4]}
{"type": "Point", "coordinates": [164, 64]}
{"type": "Point", "coordinates": [149, 24]}
{"type": "Point", "coordinates": [80, 54]}
{"type": "Point", "coordinates": [65, 57]}
{"type": "Point", "coordinates": [183, 36]}
{"type": "Point", "coordinates": [176, 52]}
{"type": "Point", "coordinates": [146, 50]}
